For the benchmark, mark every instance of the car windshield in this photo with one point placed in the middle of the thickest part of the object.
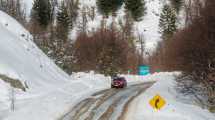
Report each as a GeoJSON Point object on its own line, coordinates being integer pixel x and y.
{"type": "Point", "coordinates": [117, 79]}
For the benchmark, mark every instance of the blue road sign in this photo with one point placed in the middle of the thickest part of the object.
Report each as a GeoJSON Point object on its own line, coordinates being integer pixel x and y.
{"type": "Point", "coordinates": [144, 70]}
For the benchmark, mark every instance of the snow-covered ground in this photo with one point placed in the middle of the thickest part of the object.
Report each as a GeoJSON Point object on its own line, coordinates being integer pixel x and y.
{"type": "Point", "coordinates": [49, 91]}
{"type": "Point", "coordinates": [178, 107]}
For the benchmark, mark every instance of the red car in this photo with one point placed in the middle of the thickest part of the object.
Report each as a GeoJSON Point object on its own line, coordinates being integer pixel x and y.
{"type": "Point", "coordinates": [118, 82]}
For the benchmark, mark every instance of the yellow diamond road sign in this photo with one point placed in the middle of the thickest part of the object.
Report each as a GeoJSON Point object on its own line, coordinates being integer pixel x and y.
{"type": "Point", "coordinates": [157, 102]}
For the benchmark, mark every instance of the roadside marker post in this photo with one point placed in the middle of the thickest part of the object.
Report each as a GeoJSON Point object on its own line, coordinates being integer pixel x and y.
{"type": "Point", "coordinates": [157, 102]}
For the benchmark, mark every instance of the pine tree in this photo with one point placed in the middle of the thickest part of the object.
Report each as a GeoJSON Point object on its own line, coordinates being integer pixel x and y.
{"type": "Point", "coordinates": [107, 7]}
{"type": "Point", "coordinates": [73, 7]}
{"type": "Point", "coordinates": [63, 21]}
{"type": "Point", "coordinates": [177, 4]}
{"type": "Point", "coordinates": [167, 22]}
{"type": "Point", "coordinates": [41, 12]}
{"type": "Point", "coordinates": [62, 31]}
{"type": "Point", "coordinates": [109, 61]}
{"type": "Point", "coordinates": [137, 8]}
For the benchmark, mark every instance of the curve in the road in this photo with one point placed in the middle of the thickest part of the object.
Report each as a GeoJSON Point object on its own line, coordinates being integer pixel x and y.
{"type": "Point", "coordinates": [109, 104]}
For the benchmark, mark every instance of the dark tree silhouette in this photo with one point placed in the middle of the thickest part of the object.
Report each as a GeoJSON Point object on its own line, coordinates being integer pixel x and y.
{"type": "Point", "coordinates": [167, 22]}
{"type": "Point", "coordinates": [177, 5]}
{"type": "Point", "coordinates": [63, 22]}
{"type": "Point", "coordinates": [107, 7]}
{"type": "Point", "coordinates": [137, 8]}
{"type": "Point", "coordinates": [41, 12]}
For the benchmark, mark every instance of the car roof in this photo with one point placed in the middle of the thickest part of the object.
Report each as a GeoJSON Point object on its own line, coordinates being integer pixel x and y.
{"type": "Point", "coordinates": [119, 78]}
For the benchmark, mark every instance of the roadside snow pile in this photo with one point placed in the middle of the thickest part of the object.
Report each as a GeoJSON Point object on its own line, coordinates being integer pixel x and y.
{"type": "Point", "coordinates": [98, 81]}
{"type": "Point", "coordinates": [174, 108]}
{"type": "Point", "coordinates": [93, 80]}
{"type": "Point", "coordinates": [135, 79]}
{"type": "Point", "coordinates": [49, 91]}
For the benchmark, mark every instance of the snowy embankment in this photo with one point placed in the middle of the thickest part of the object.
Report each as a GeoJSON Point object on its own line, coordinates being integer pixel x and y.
{"type": "Point", "coordinates": [178, 107]}
{"type": "Point", "coordinates": [49, 91]}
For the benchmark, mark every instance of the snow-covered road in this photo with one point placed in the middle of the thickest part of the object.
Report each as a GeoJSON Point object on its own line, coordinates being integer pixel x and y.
{"type": "Point", "coordinates": [110, 104]}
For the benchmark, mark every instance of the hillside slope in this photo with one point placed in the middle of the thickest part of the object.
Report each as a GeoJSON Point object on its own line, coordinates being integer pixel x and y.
{"type": "Point", "coordinates": [46, 85]}
{"type": "Point", "coordinates": [21, 59]}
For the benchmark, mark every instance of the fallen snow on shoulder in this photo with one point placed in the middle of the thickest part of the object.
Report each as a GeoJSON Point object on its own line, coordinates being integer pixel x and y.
{"type": "Point", "coordinates": [50, 91]}
{"type": "Point", "coordinates": [92, 79]}
{"type": "Point", "coordinates": [174, 109]}
{"type": "Point", "coordinates": [56, 103]}
{"type": "Point", "coordinates": [136, 79]}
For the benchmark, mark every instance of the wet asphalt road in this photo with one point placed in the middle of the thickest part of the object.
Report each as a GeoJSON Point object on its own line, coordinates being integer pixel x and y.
{"type": "Point", "coordinates": [110, 104]}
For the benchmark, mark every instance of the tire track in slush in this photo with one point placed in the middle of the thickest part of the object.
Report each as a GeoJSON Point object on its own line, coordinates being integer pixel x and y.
{"type": "Point", "coordinates": [111, 104]}
{"type": "Point", "coordinates": [91, 112]}
{"type": "Point", "coordinates": [126, 105]}
{"type": "Point", "coordinates": [116, 110]}
{"type": "Point", "coordinates": [83, 106]}
{"type": "Point", "coordinates": [107, 108]}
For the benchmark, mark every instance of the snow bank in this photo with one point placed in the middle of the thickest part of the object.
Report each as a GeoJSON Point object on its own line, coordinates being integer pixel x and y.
{"type": "Point", "coordinates": [174, 109]}
{"type": "Point", "coordinates": [50, 91]}
{"type": "Point", "coordinates": [92, 79]}
{"type": "Point", "coordinates": [95, 80]}
{"type": "Point", "coordinates": [136, 79]}
{"type": "Point", "coordinates": [21, 58]}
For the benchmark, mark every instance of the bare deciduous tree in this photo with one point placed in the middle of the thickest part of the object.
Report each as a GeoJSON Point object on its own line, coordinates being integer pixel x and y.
{"type": "Point", "coordinates": [15, 9]}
